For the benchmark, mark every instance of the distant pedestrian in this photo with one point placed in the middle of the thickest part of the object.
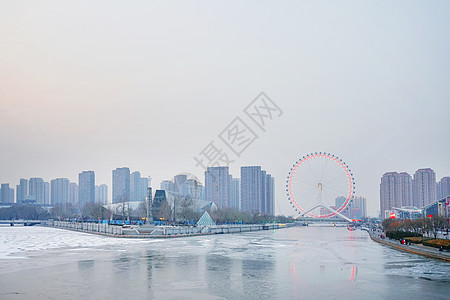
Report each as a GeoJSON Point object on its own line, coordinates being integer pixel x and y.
{"type": "Point", "coordinates": [440, 248]}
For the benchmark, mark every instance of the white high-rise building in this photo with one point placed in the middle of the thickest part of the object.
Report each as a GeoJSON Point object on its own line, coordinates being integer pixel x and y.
{"type": "Point", "coordinates": [257, 190]}
{"type": "Point", "coordinates": [179, 184]}
{"type": "Point", "coordinates": [60, 191]}
{"type": "Point", "coordinates": [22, 190]}
{"type": "Point", "coordinates": [390, 195]}
{"type": "Point", "coordinates": [424, 187]}
{"type": "Point", "coordinates": [101, 194]}
{"type": "Point", "coordinates": [356, 209]}
{"type": "Point", "coordinates": [36, 190]}
{"type": "Point", "coordinates": [121, 185]}
{"type": "Point", "coordinates": [73, 193]}
{"type": "Point", "coordinates": [86, 188]}
{"type": "Point", "coordinates": [138, 187]}
{"type": "Point", "coordinates": [46, 193]}
{"type": "Point", "coordinates": [144, 184]}
{"type": "Point", "coordinates": [217, 186]}
{"type": "Point", "coordinates": [193, 189]}
{"type": "Point", "coordinates": [235, 193]}
{"type": "Point", "coordinates": [270, 195]}
{"type": "Point", "coordinates": [251, 188]}
{"type": "Point", "coordinates": [168, 186]}
{"type": "Point", "coordinates": [134, 186]}
{"type": "Point", "coordinates": [395, 191]}
{"type": "Point", "coordinates": [405, 185]}
{"type": "Point", "coordinates": [444, 187]}
{"type": "Point", "coordinates": [6, 193]}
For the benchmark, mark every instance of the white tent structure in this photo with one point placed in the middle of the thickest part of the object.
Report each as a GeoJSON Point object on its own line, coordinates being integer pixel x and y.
{"type": "Point", "coordinates": [206, 220]}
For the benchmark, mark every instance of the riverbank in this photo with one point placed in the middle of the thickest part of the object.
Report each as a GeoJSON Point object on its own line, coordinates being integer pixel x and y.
{"type": "Point", "coordinates": [413, 248]}
{"type": "Point", "coordinates": [151, 231]}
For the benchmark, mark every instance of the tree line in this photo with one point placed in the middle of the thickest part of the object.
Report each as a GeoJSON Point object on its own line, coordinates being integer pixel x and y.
{"type": "Point", "coordinates": [182, 213]}
{"type": "Point", "coordinates": [423, 226]}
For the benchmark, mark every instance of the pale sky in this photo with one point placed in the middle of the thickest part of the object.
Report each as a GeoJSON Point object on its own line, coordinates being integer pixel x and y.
{"type": "Point", "coordinates": [95, 85]}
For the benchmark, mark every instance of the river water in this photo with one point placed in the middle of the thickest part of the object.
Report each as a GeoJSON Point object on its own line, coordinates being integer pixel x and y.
{"type": "Point", "coordinates": [293, 263]}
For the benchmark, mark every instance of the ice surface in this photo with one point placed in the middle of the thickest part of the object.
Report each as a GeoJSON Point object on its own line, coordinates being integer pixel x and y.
{"type": "Point", "coordinates": [18, 240]}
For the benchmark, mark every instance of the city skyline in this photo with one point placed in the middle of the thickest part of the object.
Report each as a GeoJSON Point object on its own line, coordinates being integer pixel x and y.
{"type": "Point", "coordinates": [225, 149]}
{"type": "Point", "coordinates": [401, 190]}
{"type": "Point", "coordinates": [150, 92]}
{"type": "Point", "coordinates": [404, 192]}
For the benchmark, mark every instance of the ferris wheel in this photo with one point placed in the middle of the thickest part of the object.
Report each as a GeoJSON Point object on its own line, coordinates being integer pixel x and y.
{"type": "Point", "coordinates": [320, 185]}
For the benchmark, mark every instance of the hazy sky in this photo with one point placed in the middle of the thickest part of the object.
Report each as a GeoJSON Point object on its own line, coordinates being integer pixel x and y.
{"type": "Point", "coordinates": [95, 85]}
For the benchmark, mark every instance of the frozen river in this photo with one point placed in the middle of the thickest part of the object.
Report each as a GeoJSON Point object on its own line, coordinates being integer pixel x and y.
{"type": "Point", "coordinates": [294, 263]}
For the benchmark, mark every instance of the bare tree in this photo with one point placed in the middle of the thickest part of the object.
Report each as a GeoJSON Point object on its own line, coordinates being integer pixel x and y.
{"type": "Point", "coordinates": [436, 223]}
{"type": "Point", "coordinates": [95, 211]}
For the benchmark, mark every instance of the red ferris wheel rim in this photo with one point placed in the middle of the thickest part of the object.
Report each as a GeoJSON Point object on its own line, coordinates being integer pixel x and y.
{"type": "Point", "coordinates": [304, 159]}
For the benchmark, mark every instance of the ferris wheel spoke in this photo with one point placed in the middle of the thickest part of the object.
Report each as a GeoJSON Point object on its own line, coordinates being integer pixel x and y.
{"type": "Point", "coordinates": [304, 182]}
{"type": "Point", "coordinates": [329, 196]}
{"type": "Point", "coordinates": [311, 190]}
{"type": "Point", "coordinates": [336, 190]}
{"type": "Point", "coordinates": [312, 171]}
{"type": "Point", "coordinates": [308, 195]}
{"type": "Point", "coordinates": [331, 180]}
{"type": "Point", "coordinates": [324, 167]}
{"type": "Point", "coordinates": [309, 199]}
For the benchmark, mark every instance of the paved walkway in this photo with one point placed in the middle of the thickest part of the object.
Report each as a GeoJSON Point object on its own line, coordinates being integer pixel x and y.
{"type": "Point", "coordinates": [413, 248]}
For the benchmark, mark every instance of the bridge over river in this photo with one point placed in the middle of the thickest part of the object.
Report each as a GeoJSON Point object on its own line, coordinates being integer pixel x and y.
{"type": "Point", "coordinates": [324, 220]}
{"type": "Point", "coordinates": [20, 222]}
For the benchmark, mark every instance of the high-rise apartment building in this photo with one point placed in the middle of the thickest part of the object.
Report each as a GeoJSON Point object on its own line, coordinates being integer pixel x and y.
{"type": "Point", "coordinates": [193, 189]}
{"type": "Point", "coordinates": [37, 190]}
{"type": "Point", "coordinates": [390, 195]}
{"type": "Point", "coordinates": [138, 187]}
{"type": "Point", "coordinates": [263, 192]}
{"type": "Point", "coordinates": [339, 201]}
{"type": "Point", "coordinates": [73, 193]}
{"type": "Point", "coordinates": [101, 194]}
{"type": "Point", "coordinates": [424, 187]}
{"type": "Point", "coordinates": [444, 187]}
{"type": "Point", "coordinates": [46, 193]}
{"type": "Point", "coordinates": [121, 185]}
{"type": "Point", "coordinates": [144, 184]}
{"type": "Point", "coordinates": [6, 193]}
{"type": "Point", "coordinates": [269, 207]}
{"type": "Point", "coordinates": [257, 190]}
{"type": "Point", "coordinates": [22, 190]}
{"type": "Point", "coordinates": [235, 193]}
{"type": "Point", "coordinates": [360, 203]}
{"type": "Point", "coordinates": [201, 192]}
{"type": "Point", "coordinates": [356, 209]}
{"type": "Point", "coordinates": [134, 185]}
{"type": "Point", "coordinates": [180, 187]}
{"type": "Point", "coordinates": [251, 188]}
{"type": "Point", "coordinates": [60, 191]}
{"type": "Point", "coordinates": [396, 190]}
{"type": "Point", "coordinates": [86, 188]}
{"type": "Point", "coordinates": [405, 186]}
{"type": "Point", "coordinates": [217, 186]}
{"type": "Point", "coordinates": [168, 186]}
